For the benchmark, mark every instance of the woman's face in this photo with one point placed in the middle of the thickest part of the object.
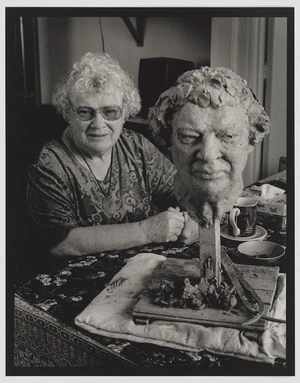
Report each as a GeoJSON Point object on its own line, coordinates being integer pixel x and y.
{"type": "Point", "coordinates": [210, 148]}
{"type": "Point", "coordinates": [97, 136]}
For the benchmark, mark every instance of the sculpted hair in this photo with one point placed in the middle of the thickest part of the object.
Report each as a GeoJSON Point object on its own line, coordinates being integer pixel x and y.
{"type": "Point", "coordinates": [208, 87]}
{"type": "Point", "coordinates": [93, 73]}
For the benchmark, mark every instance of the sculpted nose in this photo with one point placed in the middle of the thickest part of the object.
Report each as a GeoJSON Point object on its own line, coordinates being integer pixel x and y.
{"type": "Point", "coordinates": [209, 149]}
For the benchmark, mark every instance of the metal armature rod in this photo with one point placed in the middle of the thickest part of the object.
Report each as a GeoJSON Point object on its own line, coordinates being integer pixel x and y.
{"type": "Point", "coordinates": [210, 252]}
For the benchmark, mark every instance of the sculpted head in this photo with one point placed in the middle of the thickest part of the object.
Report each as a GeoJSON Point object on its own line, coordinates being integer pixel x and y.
{"type": "Point", "coordinates": [210, 121]}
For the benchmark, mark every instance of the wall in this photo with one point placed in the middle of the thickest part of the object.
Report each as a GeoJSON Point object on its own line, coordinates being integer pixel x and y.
{"type": "Point", "coordinates": [275, 145]}
{"type": "Point", "coordinates": [238, 43]}
{"type": "Point", "coordinates": [63, 40]}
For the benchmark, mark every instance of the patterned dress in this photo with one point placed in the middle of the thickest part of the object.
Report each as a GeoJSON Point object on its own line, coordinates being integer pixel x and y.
{"type": "Point", "coordinates": [63, 194]}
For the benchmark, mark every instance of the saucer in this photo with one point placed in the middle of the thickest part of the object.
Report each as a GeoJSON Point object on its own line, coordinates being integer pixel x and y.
{"type": "Point", "coordinates": [260, 234]}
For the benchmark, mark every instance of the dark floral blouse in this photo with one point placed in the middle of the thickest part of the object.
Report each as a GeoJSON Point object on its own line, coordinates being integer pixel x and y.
{"type": "Point", "coordinates": [63, 194]}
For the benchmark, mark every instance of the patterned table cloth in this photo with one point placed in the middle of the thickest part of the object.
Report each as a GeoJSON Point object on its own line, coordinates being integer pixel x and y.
{"type": "Point", "coordinates": [55, 297]}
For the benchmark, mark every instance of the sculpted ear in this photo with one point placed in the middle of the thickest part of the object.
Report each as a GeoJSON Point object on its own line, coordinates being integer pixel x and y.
{"type": "Point", "coordinates": [250, 148]}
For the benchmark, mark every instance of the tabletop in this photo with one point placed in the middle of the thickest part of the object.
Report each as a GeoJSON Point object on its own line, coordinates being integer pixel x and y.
{"type": "Point", "coordinates": [69, 285]}
{"type": "Point", "coordinates": [66, 289]}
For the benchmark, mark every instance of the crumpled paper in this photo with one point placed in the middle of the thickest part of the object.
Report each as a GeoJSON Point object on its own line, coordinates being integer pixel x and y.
{"type": "Point", "coordinates": [267, 191]}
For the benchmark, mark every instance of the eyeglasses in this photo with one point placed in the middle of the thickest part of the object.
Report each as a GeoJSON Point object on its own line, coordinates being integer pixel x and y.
{"type": "Point", "coordinates": [86, 113]}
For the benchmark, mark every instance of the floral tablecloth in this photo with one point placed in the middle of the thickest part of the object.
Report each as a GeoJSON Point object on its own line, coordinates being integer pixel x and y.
{"type": "Point", "coordinates": [70, 285]}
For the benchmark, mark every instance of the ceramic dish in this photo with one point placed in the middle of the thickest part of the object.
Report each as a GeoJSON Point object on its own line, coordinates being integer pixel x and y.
{"type": "Point", "coordinates": [260, 234]}
{"type": "Point", "coordinates": [261, 252]}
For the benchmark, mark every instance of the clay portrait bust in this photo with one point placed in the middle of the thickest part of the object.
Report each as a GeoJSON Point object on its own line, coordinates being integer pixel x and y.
{"type": "Point", "coordinates": [210, 120]}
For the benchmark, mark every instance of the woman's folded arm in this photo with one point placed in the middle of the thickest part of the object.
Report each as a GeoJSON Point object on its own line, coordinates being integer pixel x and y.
{"type": "Point", "coordinates": [163, 227]}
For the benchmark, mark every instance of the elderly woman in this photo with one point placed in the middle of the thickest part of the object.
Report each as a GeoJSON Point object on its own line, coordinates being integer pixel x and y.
{"type": "Point", "coordinates": [210, 120]}
{"type": "Point", "coordinates": [101, 187]}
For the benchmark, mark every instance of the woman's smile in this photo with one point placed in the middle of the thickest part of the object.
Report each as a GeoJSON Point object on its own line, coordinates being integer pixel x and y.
{"type": "Point", "coordinates": [98, 136]}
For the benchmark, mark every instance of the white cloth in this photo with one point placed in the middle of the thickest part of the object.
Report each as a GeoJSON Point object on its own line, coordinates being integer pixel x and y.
{"type": "Point", "coordinates": [109, 314]}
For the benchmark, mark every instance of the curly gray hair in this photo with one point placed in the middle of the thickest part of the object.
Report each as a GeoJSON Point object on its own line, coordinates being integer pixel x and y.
{"type": "Point", "coordinates": [92, 74]}
{"type": "Point", "coordinates": [208, 87]}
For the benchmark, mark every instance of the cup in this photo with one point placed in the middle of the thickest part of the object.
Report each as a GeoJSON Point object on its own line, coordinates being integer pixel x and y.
{"type": "Point", "coordinates": [242, 218]}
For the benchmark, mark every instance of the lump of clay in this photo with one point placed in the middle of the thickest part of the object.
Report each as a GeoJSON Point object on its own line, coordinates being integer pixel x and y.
{"type": "Point", "coordinates": [183, 294]}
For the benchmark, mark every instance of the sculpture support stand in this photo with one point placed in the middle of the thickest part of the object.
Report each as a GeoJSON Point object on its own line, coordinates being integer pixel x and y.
{"type": "Point", "coordinates": [210, 252]}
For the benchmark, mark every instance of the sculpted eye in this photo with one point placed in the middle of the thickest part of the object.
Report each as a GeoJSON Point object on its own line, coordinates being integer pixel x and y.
{"type": "Point", "coordinates": [227, 137]}
{"type": "Point", "coordinates": [187, 139]}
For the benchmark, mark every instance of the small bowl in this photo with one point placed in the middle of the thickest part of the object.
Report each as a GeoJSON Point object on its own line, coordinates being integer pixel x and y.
{"type": "Point", "coordinates": [261, 252]}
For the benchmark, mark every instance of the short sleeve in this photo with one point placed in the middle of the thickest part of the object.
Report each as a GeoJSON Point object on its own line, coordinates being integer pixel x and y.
{"type": "Point", "coordinates": [50, 200]}
{"type": "Point", "coordinates": [161, 174]}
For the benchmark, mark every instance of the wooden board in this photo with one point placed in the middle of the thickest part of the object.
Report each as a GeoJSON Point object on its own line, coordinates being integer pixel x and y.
{"type": "Point", "coordinates": [263, 279]}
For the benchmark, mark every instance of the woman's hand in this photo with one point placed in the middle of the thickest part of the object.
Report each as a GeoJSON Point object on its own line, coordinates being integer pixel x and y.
{"type": "Point", "coordinates": [190, 232]}
{"type": "Point", "coordinates": [163, 227]}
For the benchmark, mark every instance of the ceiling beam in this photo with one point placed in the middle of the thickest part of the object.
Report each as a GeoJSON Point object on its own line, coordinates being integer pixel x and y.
{"type": "Point", "coordinates": [138, 31]}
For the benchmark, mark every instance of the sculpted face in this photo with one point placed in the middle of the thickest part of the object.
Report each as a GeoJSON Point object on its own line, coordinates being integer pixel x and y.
{"type": "Point", "coordinates": [210, 147]}
{"type": "Point", "coordinates": [210, 120]}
